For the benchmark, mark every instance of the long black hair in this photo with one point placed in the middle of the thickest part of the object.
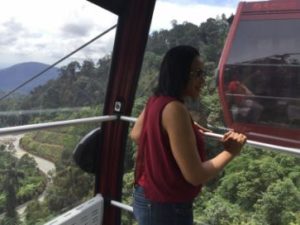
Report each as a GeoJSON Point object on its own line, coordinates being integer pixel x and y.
{"type": "Point", "coordinates": [174, 71]}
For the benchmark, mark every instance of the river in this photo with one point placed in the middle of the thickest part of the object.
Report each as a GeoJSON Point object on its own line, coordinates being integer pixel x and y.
{"type": "Point", "coordinates": [44, 165]}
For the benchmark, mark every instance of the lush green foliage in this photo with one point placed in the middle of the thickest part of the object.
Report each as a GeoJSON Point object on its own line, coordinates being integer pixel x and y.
{"type": "Point", "coordinates": [70, 185]}
{"type": "Point", "coordinates": [257, 188]}
{"type": "Point", "coordinates": [20, 181]}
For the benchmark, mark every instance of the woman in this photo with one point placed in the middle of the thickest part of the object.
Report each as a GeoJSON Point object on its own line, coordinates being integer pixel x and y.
{"type": "Point", "coordinates": [243, 105]}
{"type": "Point", "coordinates": [171, 166]}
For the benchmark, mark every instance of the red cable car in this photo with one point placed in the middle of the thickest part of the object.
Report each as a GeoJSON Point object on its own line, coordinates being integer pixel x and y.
{"type": "Point", "coordinates": [259, 72]}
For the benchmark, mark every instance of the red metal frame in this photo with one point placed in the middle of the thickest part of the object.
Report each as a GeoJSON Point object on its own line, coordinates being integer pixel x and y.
{"type": "Point", "coordinates": [131, 37]}
{"type": "Point", "coordinates": [276, 9]}
{"type": "Point", "coordinates": [130, 42]}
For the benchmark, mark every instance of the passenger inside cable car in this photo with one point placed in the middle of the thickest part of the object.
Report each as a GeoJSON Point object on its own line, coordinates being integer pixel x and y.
{"type": "Point", "coordinates": [264, 94]}
{"type": "Point", "coordinates": [262, 54]}
{"type": "Point", "coordinates": [242, 102]}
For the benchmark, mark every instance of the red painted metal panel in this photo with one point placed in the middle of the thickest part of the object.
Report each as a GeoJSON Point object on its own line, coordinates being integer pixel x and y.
{"type": "Point", "coordinates": [282, 6]}
{"type": "Point", "coordinates": [131, 37]}
{"type": "Point", "coordinates": [288, 135]}
{"type": "Point", "coordinates": [223, 59]}
{"type": "Point", "coordinates": [275, 9]}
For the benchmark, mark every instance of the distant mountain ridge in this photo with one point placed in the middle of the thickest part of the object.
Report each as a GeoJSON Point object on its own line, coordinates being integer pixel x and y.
{"type": "Point", "coordinates": [15, 75]}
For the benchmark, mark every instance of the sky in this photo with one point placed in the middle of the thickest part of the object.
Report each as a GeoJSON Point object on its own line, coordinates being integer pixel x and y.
{"type": "Point", "coordinates": [47, 30]}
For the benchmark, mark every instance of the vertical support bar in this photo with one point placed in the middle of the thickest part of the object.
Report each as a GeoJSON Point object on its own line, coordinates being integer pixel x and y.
{"type": "Point", "coordinates": [131, 38]}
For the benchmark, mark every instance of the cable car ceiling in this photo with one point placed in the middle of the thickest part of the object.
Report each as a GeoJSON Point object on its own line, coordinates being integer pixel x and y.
{"type": "Point", "coordinates": [114, 6]}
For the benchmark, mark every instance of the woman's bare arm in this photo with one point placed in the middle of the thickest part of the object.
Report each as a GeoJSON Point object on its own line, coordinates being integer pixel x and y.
{"type": "Point", "coordinates": [201, 128]}
{"type": "Point", "coordinates": [137, 128]}
{"type": "Point", "coordinates": [177, 123]}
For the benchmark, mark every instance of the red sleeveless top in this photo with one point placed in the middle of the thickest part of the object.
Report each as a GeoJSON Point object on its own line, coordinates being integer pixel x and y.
{"type": "Point", "coordinates": [156, 169]}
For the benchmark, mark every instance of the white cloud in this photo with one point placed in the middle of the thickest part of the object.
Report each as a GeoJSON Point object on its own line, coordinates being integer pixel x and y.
{"type": "Point", "coordinates": [196, 13]}
{"type": "Point", "coordinates": [45, 31]}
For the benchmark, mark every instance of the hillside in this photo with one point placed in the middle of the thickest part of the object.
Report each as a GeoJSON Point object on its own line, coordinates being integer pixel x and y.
{"type": "Point", "coordinates": [258, 187]}
{"type": "Point", "coordinates": [15, 75]}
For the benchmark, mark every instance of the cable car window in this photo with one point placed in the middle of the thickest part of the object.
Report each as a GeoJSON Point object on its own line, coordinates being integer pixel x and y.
{"type": "Point", "coordinates": [256, 171]}
{"type": "Point", "coordinates": [262, 75]}
{"type": "Point", "coordinates": [264, 38]}
{"type": "Point", "coordinates": [47, 76]}
{"type": "Point", "coordinates": [69, 83]}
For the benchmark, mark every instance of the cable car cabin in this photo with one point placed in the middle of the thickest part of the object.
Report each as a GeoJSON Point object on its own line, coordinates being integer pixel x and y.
{"type": "Point", "coordinates": [259, 72]}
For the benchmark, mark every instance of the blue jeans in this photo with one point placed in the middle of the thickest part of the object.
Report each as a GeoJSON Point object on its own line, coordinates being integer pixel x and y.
{"type": "Point", "coordinates": [148, 212]}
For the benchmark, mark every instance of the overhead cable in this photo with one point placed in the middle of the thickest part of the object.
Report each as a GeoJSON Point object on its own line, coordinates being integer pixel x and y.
{"type": "Point", "coordinates": [57, 62]}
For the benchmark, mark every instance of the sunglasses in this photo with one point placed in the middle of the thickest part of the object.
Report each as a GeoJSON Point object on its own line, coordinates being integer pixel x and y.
{"type": "Point", "coordinates": [200, 73]}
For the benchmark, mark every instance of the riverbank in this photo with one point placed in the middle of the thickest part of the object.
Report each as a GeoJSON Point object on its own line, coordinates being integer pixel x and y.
{"type": "Point", "coordinates": [12, 143]}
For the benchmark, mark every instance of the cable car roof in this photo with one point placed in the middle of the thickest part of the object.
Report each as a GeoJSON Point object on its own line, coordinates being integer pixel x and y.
{"type": "Point", "coordinates": [114, 6]}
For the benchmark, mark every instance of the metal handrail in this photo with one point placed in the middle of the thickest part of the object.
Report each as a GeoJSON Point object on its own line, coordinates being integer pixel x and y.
{"type": "Point", "coordinates": [263, 97]}
{"type": "Point", "coordinates": [278, 148]}
{"type": "Point", "coordinates": [128, 119]}
{"type": "Point", "coordinates": [122, 205]}
{"type": "Point", "coordinates": [256, 144]}
{"type": "Point", "coordinates": [41, 126]}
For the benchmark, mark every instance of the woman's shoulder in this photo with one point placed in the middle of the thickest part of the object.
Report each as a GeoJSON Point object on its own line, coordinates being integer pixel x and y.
{"type": "Point", "coordinates": [167, 105]}
{"type": "Point", "coordinates": [176, 107]}
{"type": "Point", "coordinates": [176, 117]}
{"type": "Point", "coordinates": [164, 98]}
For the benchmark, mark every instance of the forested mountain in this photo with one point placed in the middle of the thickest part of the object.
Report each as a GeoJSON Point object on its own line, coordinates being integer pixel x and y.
{"type": "Point", "coordinates": [258, 188]}
{"type": "Point", "coordinates": [15, 75]}
{"type": "Point", "coordinates": [84, 84]}
{"type": "Point", "coordinates": [77, 85]}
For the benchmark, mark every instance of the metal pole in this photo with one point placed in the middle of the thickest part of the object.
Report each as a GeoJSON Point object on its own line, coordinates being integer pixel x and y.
{"type": "Point", "coordinates": [122, 205]}
{"type": "Point", "coordinates": [257, 144]}
{"type": "Point", "coordinates": [41, 126]}
{"type": "Point", "coordinates": [293, 151]}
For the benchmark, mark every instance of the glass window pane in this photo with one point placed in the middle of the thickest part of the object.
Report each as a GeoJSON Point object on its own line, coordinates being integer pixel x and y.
{"type": "Point", "coordinates": [274, 99]}
{"type": "Point", "coordinates": [264, 94]}
{"type": "Point", "coordinates": [272, 38]}
{"type": "Point", "coordinates": [38, 176]}
{"type": "Point", "coordinates": [262, 74]}
{"type": "Point", "coordinates": [52, 71]}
